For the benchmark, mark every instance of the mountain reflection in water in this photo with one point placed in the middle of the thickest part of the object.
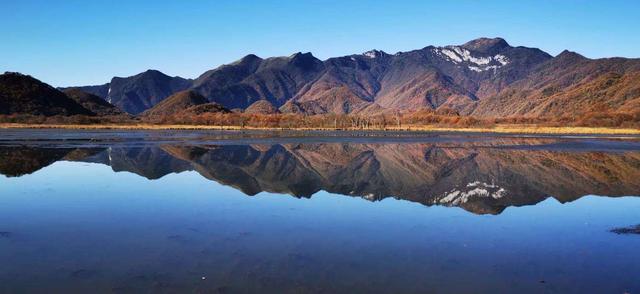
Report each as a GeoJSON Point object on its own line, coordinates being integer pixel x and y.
{"type": "Point", "coordinates": [480, 177]}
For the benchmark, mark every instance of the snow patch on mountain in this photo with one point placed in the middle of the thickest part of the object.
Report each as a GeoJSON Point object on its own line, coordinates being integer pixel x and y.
{"type": "Point", "coordinates": [457, 54]}
{"type": "Point", "coordinates": [370, 54]}
{"type": "Point", "coordinates": [475, 68]}
{"type": "Point", "coordinates": [478, 69]}
{"type": "Point", "coordinates": [452, 55]}
{"type": "Point", "coordinates": [501, 58]}
{"type": "Point", "coordinates": [466, 56]}
{"type": "Point", "coordinates": [373, 53]}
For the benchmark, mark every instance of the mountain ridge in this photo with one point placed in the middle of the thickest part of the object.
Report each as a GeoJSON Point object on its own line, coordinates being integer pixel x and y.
{"type": "Point", "coordinates": [484, 77]}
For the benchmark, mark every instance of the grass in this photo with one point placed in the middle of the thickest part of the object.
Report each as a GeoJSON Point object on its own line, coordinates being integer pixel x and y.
{"type": "Point", "coordinates": [504, 129]}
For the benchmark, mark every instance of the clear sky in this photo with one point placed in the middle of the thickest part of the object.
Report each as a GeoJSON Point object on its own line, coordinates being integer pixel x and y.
{"type": "Point", "coordinates": [79, 42]}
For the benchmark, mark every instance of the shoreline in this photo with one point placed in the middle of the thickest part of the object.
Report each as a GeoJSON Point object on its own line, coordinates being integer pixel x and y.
{"type": "Point", "coordinates": [500, 129]}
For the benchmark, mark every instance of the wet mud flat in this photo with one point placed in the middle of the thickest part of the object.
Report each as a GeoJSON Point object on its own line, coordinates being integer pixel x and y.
{"type": "Point", "coordinates": [95, 138]}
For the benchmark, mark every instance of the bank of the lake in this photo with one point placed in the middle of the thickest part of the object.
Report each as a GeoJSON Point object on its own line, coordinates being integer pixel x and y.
{"type": "Point", "coordinates": [501, 129]}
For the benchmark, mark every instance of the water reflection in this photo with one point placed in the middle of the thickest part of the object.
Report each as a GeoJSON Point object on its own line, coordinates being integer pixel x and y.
{"type": "Point", "coordinates": [480, 177]}
{"type": "Point", "coordinates": [100, 216]}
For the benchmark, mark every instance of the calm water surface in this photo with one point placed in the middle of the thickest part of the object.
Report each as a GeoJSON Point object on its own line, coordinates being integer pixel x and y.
{"type": "Point", "coordinates": [247, 213]}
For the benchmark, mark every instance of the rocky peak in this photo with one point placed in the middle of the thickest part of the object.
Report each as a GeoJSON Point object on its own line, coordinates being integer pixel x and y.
{"type": "Point", "coordinates": [304, 60]}
{"type": "Point", "coordinates": [487, 45]}
{"type": "Point", "coordinates": [248, 59]}
{"type": "Point", "coordinates": [374, 53]}
{"type": "Point", "coordinates": [566, 54]}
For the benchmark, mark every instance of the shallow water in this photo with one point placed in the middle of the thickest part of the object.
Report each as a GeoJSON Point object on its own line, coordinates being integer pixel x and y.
{"type": "Point", "coordinates": [229, 213]}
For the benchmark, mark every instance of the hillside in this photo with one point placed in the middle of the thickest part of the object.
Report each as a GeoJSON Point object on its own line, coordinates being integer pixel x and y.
{"type": "Point", "coordinates": [23, 94]}
{"type": "Point", "coordinates": [569, 84]}
{"type": "Point", "coordinates": [101, 91]}
{"type": "Point", "coordinates": [176, 103]}
{"type": "Point", "coordinates": [206, 108]}
{"type": "Point", "coordinates": [92, 102]}
{"type": "Point", "coordinates": [261, 107]}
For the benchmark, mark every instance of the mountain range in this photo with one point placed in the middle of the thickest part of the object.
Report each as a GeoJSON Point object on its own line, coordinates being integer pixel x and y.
{"type": "Point", "coordinates": [485, 77]}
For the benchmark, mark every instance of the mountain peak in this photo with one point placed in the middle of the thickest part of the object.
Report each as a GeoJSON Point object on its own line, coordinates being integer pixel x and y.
{"type": "Point", "coordinates": [153, 72]}
{"type": "Point", "coordinates": [374, 53]}
{"type": "Point", "coordinates": [569, 57]}
{"type": "Point", "coordinates": [149, 73]}
{"type": "Point", "coordinates": [250, 57]}
{"type": "Point", "coordinates": [304, 60]}
{"type": "Point", "coordinates": [569, 54]}
{"type": "Point", "coordinates": [300, 55]}
{"type": "Point", "coordinates": [487, 45]}
{"type": "Point", "coordinates": [15, 73]}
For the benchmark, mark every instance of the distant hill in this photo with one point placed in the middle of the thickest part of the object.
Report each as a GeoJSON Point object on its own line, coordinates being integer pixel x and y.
{"type": "Point", "coordinates": [261, 107]}
{"type": "Point", "coordinates": [182, 101]}
{"type": "Point", "coordinates": [101, 91]}
{"type": "Point", "coordinates": [140, 92]}
{"type": "Point", "coordinates": [92, 102]}
{"type": "Point", "coordinates": [276, 79]}
{"type": "Point", "coordinates": [23, 94]}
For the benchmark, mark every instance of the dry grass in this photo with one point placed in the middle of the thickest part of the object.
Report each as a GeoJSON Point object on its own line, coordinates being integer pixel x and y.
{"type": "Point", "coordinates": [500, 128]}
{"type": "Point", "coordinates": [531, 129]}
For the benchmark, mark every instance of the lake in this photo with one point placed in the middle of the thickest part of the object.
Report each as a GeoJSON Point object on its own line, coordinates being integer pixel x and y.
{"type": "Point", "coordinates": [323, 212]}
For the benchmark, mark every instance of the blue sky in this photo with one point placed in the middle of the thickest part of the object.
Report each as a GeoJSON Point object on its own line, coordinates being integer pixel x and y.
{"type": "Point", "coordinates": [87, 42]}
